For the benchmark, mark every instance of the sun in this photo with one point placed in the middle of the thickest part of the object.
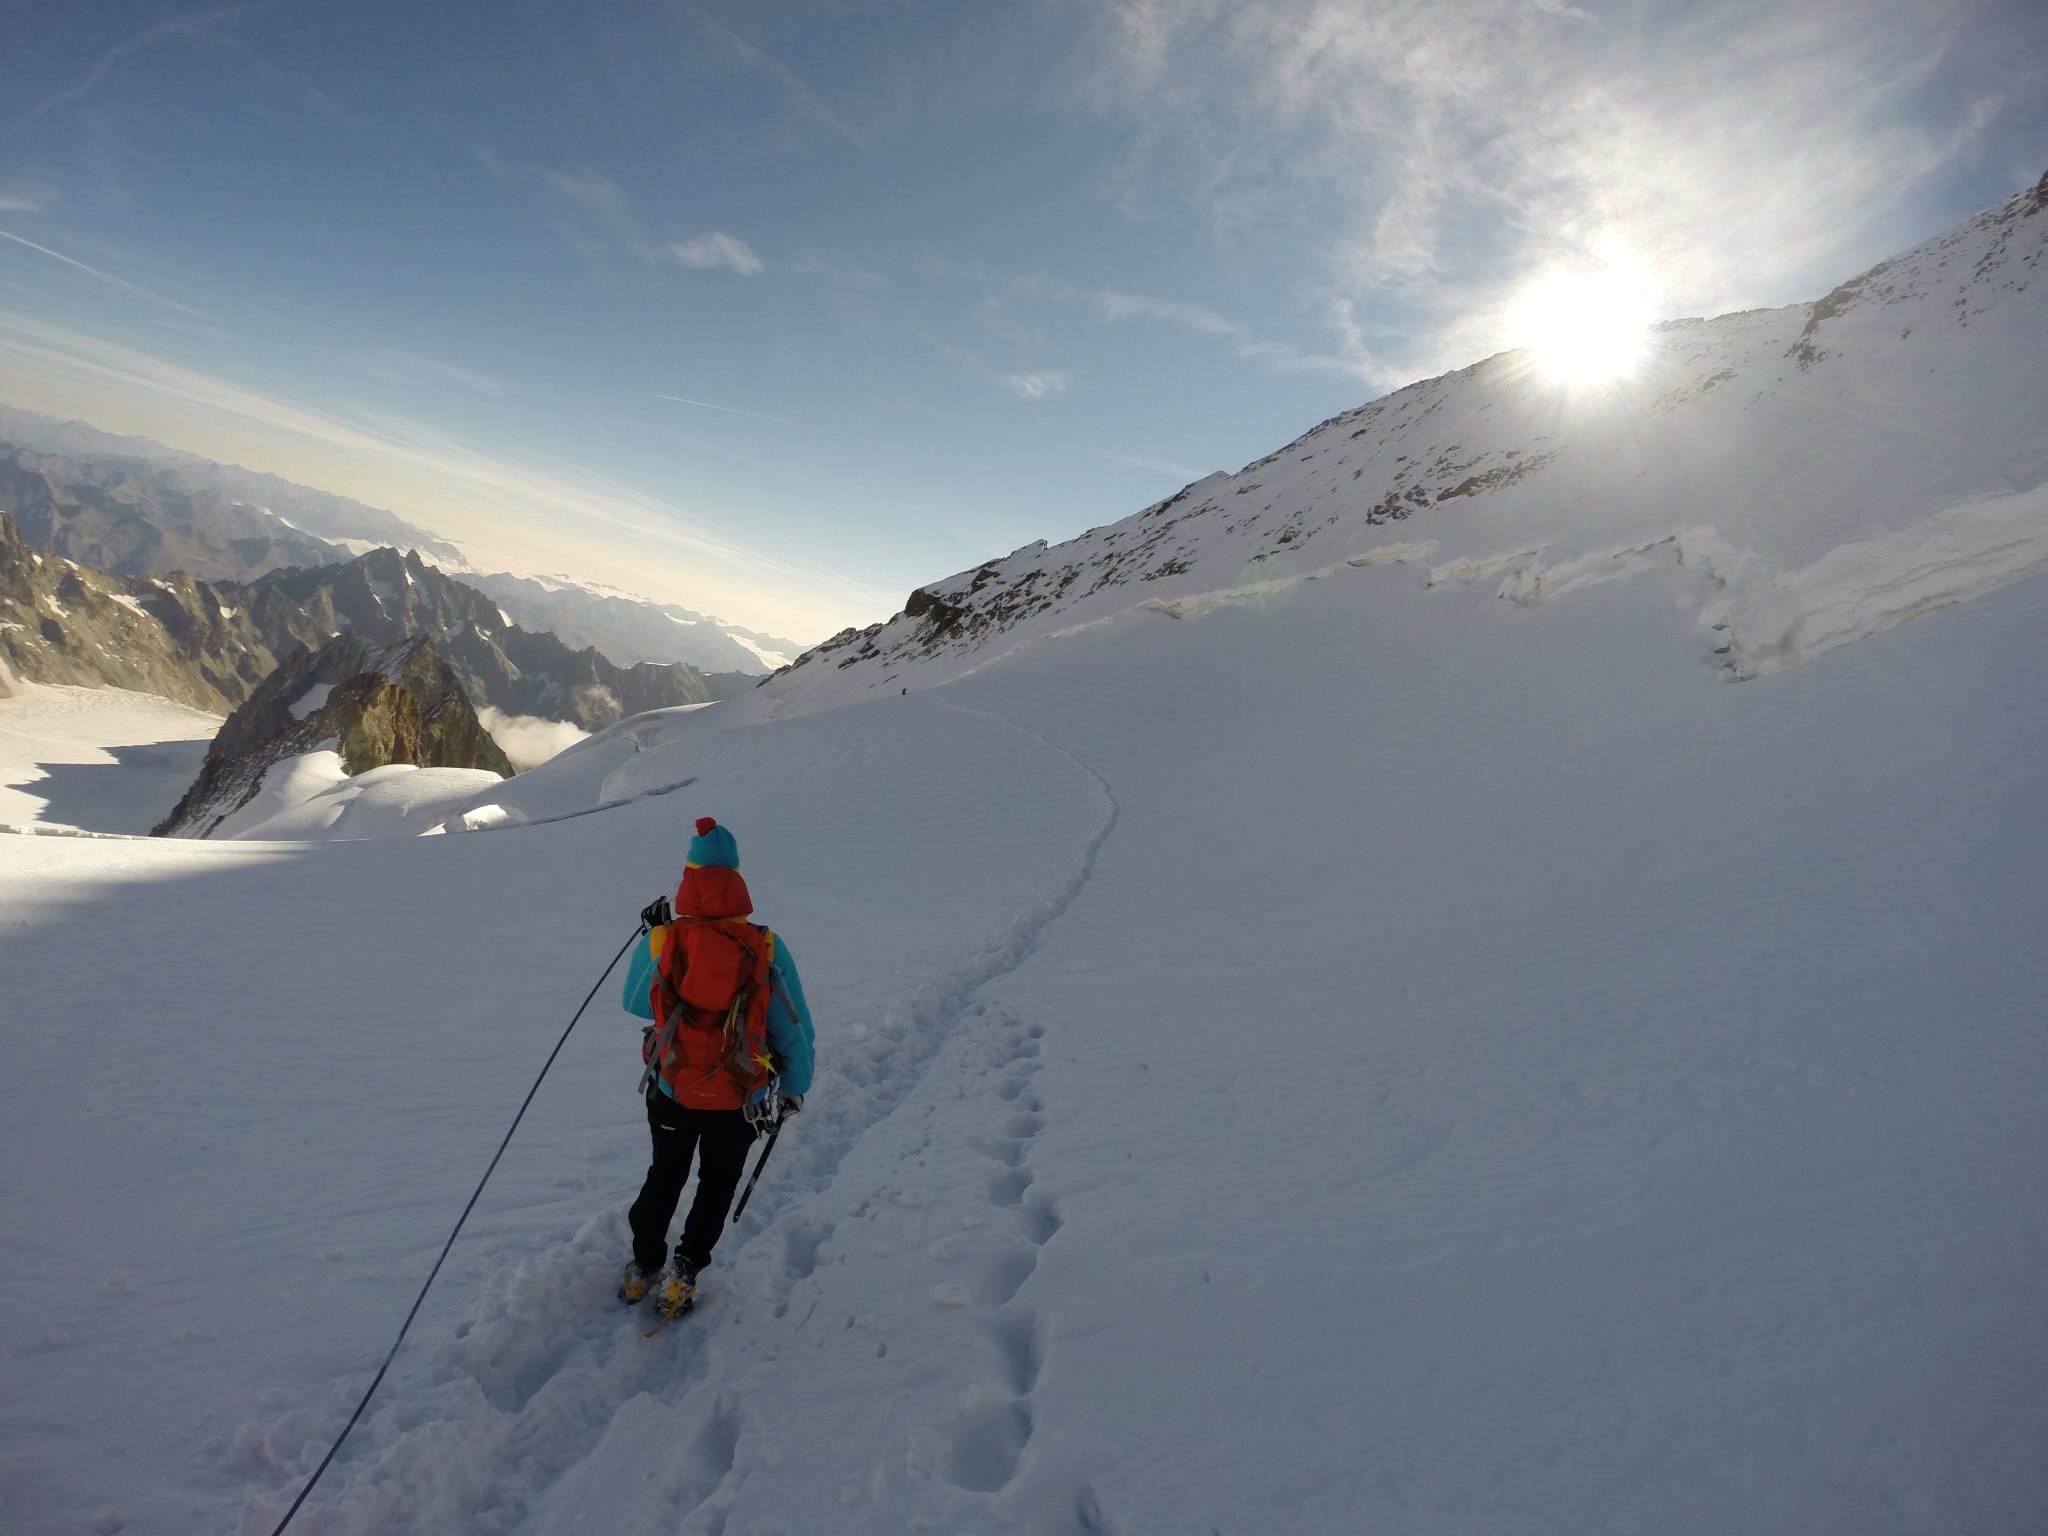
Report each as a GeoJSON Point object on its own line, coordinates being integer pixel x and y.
{"type": "Point", "coordinates": [1583, 328]}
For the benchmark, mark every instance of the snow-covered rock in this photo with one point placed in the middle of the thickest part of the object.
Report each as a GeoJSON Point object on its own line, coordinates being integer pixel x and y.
{"type": "Point", "coordinates": [362, 707]}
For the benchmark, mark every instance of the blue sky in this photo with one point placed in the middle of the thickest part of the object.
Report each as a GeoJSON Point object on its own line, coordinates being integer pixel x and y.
{"type": "Point", "coordinates": [779, 309]}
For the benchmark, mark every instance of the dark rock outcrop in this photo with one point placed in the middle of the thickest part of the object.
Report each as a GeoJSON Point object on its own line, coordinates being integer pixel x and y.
{"type": "Point", "coordinates": [61, 622]}
{"type": "Point", "coordinates": [371, 705]}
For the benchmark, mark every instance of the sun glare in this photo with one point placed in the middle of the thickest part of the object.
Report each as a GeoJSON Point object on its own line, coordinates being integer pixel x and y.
{"type": "Point", "coordinates": [1583, 328]}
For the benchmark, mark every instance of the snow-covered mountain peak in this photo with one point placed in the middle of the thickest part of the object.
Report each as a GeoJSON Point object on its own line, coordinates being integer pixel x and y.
{"type": "Point", "coordinates": [1749, 447]}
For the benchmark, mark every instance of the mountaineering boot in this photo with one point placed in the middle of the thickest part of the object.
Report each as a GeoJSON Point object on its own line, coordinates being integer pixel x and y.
{"type": "Point", "coordinates": [636, 1283]}
{"type": "Point", "coordinates": [675, 1294]}
{"type": "Point", "coordinates": [678, 1289]}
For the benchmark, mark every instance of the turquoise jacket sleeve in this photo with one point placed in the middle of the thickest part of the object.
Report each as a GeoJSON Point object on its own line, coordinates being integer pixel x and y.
{"type": "Point", "coordinates": [790, 1034]}
{"type": "Point", "coordinates": [638, 996]}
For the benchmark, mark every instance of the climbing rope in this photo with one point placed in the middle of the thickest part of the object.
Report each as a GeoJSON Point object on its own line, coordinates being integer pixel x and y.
{"type": "Point", "coordinates": [388, 1358]}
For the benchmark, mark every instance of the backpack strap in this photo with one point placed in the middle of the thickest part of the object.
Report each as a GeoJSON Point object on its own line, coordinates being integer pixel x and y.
{"type": "Point", "coordinates": [672, 1005]}
{"type": "Point", "coordinates": [776, 986]}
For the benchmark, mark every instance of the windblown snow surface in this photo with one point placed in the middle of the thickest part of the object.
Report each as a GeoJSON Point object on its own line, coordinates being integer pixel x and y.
{"type": "Point", "coordinates": [1515, 1025]}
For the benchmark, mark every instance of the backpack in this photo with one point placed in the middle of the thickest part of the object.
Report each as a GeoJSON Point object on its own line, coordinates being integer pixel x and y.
{"type": "Point", "coordinates": [710, 992]}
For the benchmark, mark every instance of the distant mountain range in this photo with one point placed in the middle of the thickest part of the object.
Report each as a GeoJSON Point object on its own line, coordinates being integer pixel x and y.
{"type": "Point", "coordinates": [129, 506]}
{"type": "Point", "coordinates": [130, 518]}
{"type": "Point", "coordinates": [387, 597]}
{"type": "Point", "coordinates": [210, 644]}
{"type": "Point", "coordinates": [630, 629]}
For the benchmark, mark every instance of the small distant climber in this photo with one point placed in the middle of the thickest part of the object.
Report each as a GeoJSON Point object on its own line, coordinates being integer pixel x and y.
{"type": "Point", "coordinates": [729, 1054]}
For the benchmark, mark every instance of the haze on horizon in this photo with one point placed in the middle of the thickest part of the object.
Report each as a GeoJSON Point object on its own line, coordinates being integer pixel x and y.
{"type": "Point", "coordinates": [778, 310]}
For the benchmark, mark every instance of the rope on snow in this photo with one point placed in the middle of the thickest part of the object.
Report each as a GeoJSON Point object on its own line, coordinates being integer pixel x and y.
{"type": "Point", "coordinates": [393, 1354]}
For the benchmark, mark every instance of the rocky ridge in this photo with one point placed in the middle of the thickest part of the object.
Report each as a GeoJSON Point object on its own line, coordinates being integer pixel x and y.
{"type": "Point", "coordinates": [386, 596]}
{"type": "Point", "coordinates": [210, 644]}
{"type": "Point", "coordinates": [128, 517]}
{"type": "Point", "coordinates": [373, 706]}
{"type": "Point", "coordinates": [62, 622]}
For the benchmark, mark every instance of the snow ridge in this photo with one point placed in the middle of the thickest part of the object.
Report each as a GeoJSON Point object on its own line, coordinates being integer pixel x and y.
{"type": "Point", "coordinates": [1759, 621]}
{"type": "Point", "coordinates": [1863, 588]}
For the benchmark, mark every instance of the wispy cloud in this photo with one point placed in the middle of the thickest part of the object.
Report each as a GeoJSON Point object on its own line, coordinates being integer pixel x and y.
{"type": "Point", "coordinates": [597, 215]}
{"type": "Point", "coordinates": [589, 210]}
{"type": "Point", "coordinates": [1035, 384]}
{"type": "Point", "coordinates": [192, 24]}
{"type": "Point", "coordinates": [1118, 307]}
{"type": "Point", "coordinates": [999, 317]}
{"type": "Point", "coordinates": [106, 277]}
{"type": "Point", "coordinates": [837, 272]}
{"type": "Point", "coordinates": [733, 410]}
{"type": "Point", "coordinates": [403, 367]}
{"type": "Point", "coordinates": [290, 82]}
{"type": "Point", "coordinates": [1040, 385]}
{"type": "Point", "coordinates": [788, 84]}
{"type": "Point", "coordinates": [1439, 152]}
{"type": "Point", "coordinates": [587, 190]}
{"type": "Point", "coordinates": [716, 249]}
{"type": "Point", "coordinates": [26, 195]}
{"type": "Point", "coordinates": [1115, 306]}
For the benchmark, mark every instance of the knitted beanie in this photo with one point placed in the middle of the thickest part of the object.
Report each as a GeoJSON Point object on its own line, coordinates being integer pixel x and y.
{"type": "Point", "coordinates": [713, 847]}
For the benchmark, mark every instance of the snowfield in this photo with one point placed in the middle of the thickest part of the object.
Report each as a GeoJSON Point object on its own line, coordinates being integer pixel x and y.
{"type": "Point", "coordinates": [1529, 1021]}
{"type": "Point", "coordinates": [96, 759]}
{"type": "Point", "coordinates": [1421, 1064]}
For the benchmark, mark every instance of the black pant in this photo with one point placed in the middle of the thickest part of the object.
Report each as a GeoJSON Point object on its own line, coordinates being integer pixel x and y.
{"type": "Point", "coordinates": [724, 1136]}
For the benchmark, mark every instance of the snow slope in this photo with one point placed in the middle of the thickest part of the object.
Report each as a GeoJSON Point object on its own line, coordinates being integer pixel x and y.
{"type": "Point", "coordinates": [97, 759]}
{"type": "Point", "coordinates": [1534, 1090]}
{"type": "Point", "coordinates": [312, 796]}
{"type": "Point", "coordinates": [1356, 1046]}
{"type": "Point", "coordinates": [1905, 407]}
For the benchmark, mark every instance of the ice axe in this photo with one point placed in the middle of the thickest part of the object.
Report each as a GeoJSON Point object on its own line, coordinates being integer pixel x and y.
{"type": "Point", "coordinates": [748, 1194]}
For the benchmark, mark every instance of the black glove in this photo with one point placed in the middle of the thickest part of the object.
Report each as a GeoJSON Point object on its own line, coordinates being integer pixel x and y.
{"type": "Point", "coordinates": [791, 1103]}
{"type": "Point", "coordinates": [656, 913]}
